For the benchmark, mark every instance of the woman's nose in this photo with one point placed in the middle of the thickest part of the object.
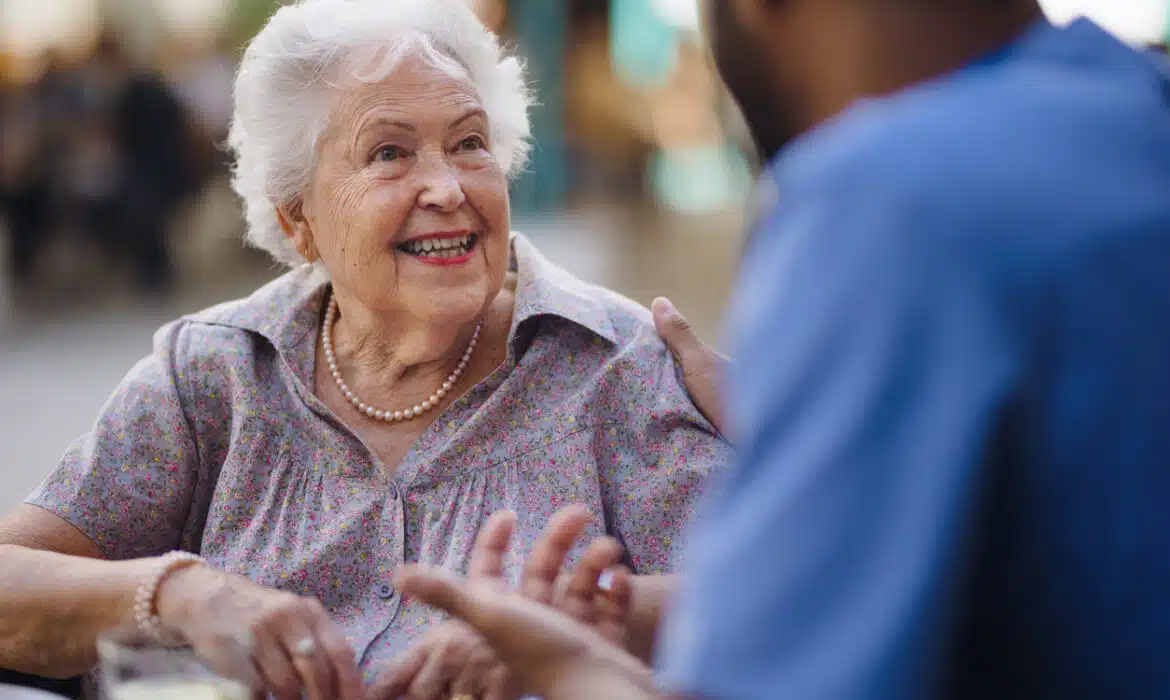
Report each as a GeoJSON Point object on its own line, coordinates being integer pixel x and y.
{"type": "Point", "coordinates": [441, 189]}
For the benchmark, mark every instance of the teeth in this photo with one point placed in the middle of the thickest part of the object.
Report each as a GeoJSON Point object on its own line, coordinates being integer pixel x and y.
{"type": "Point", "coordinates": [439, 247]}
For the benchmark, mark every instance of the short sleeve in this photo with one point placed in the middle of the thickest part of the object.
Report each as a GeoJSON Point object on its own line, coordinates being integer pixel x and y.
{"type": "Point", "coordinates": [657, 461]}
{"type": "Point", "coordinates": [127, 483]}
{"type": "Point", "coordinates": [872, 369]}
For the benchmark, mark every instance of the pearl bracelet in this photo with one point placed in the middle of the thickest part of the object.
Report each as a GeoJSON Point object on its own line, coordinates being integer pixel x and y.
{"type": "Point", "coordinates": [147, 593]}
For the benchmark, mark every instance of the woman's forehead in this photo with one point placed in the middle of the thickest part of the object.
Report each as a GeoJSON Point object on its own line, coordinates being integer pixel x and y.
{"type": "Point", "coordinates": [414, 89]}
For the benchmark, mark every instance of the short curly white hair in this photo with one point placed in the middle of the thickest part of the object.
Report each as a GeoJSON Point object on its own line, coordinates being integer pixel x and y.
{"type": "Point", "coordinates": [289, 73]}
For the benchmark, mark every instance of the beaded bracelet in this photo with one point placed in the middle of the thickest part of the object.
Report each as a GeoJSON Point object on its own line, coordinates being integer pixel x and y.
{"type": "Point", "coordinates": [146, 595]}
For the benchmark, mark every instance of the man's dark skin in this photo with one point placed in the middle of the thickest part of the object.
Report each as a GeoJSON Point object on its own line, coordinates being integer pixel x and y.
{"type": "Point", "coordinates": [791, 65]}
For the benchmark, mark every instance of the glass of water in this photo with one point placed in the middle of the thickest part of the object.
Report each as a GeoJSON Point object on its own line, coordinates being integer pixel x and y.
{"type": "Point", "coordinates": [133, 667]}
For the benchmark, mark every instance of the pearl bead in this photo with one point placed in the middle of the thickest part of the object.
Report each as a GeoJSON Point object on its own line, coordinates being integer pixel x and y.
{"type": "Point", "coordinates": [401, 414]}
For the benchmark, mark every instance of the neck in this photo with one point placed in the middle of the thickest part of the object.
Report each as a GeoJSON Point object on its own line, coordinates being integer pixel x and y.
{"type": "Point", "coordinates": [396, 351]}
{"type": "Point", "coordinates": [886, 47]}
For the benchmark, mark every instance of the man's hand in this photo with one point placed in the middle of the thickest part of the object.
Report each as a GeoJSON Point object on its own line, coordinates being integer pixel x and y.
{"type": "Point", "coordinates": [703, 369]}
{"type": "Point", "coordinates": [549, 653]}
{"type": "Point", "coordinates": [453, 660]}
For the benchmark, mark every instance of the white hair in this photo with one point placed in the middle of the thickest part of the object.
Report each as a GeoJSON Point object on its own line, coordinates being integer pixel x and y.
{"type": "Point", "coordinates": [288, 75]}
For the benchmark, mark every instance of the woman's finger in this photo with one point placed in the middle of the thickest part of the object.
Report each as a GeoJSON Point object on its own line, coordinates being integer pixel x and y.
{"type": "Point", "coordinates": [491, 546]}
{"type": "Point", "coordinates": [578, 594]}
{"type": "Point", "coordinates": [544, 564]}
{"type": "Point", "coordinates": [501, 685]}
{"type": "Point", "coordinates": [395, 680]}
{"type": "Point", "coordinates": [230, 657]}
{"type": "Point", "coordinates": [474, 678]}
{"type": "Point", "coordinates": [342, 658]}
{"type": "Point", "coordinates": [437, 673]}
{"type": "Point", "coordinates": [274, 664]}
{"type": "Point", "coordinates": [308, 656]}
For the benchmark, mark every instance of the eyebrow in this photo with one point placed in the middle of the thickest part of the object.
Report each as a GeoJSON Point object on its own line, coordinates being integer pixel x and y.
{"type": "Point", "coordinates": [477, 112]}
{"type": "Point", "coordinates": [406, 126]}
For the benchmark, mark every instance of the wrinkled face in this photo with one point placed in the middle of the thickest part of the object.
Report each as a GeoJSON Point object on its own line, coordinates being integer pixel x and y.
{"type": "Point", "coordinates": [744, 47]}
{"type": "Point", "coordinates": [408, 209]}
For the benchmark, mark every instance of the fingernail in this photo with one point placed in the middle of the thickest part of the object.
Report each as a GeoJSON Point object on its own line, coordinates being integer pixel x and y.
{"type": "Point", "coordinates": [666, 306]}
{"type": "Point", "coordinates": [605, 580]}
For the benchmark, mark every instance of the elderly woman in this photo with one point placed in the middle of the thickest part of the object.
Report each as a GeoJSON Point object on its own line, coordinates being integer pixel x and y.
{"type": "Point", "coordinates": [252, 484]}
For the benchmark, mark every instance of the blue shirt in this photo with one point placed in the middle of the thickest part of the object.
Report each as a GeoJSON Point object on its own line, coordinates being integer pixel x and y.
{"type": "Point", "coordinates": [952, 399]}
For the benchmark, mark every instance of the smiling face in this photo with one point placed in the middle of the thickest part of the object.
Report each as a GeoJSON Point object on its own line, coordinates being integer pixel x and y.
{"type": "Point", "coordinates": [407, 208]}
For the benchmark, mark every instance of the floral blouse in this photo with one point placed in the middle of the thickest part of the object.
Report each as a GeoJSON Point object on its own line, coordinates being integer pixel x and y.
{"type": "Point", "coordinates": [216, 444]}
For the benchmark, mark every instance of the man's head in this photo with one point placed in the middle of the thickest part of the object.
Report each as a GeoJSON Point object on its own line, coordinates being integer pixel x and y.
{"type": "Point", "coordinates": [791, 64]}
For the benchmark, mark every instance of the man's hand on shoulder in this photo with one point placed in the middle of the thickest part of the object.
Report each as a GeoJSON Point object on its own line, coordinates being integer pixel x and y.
{"type": "Point", "coordinates": [703, 369]}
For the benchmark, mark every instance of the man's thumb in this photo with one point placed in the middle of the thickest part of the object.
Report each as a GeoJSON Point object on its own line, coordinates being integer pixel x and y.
{"type": "Point", "coordinates": [437, 588]}
{"type": "Point", "coordinates": [673, 326]}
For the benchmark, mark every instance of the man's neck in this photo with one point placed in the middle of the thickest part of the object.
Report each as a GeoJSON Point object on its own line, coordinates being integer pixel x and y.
{"type": "Point", "coordinates": [885, 49]}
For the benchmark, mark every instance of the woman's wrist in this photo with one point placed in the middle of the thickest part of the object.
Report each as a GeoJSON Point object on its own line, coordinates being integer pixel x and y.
{"type": "Point", "coordinates": [179, 589]}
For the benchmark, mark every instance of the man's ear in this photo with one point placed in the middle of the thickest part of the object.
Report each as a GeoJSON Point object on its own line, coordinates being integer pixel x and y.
{"type": "Point", "coordinates": [296, 227]}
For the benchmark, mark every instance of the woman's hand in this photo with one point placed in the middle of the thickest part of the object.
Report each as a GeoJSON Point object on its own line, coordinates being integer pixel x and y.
{"type": "Point", "coordinates": [272, 640]}
{"type": "Point", "coordinates": [549, 653]}
{"type": "Point", "coordinates": [703, 369]}
{"type": "Point", "coordinates": [452, 660]}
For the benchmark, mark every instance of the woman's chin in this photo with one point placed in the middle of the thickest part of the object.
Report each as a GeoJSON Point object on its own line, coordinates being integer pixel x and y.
{"type": "Point", "coordinates": [452, 302]}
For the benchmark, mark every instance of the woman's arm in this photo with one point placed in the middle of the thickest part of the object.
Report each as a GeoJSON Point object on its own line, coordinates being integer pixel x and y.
{"type": "Point", "coordinates": [57, 594]}
{"type": "Point", "coordinates": [73, 557]}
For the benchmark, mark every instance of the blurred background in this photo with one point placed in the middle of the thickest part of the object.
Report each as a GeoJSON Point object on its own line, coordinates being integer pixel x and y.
{"type": "Point", "coordinates": [116, 215]}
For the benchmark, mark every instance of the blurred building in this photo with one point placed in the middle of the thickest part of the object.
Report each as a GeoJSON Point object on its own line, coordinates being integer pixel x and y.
{"type": "Point", "coordinates": [628, 103]}
{"type": "Point", "coordinates": [630, 116]}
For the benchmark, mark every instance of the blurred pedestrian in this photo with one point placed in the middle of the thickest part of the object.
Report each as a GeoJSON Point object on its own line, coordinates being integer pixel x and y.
{"type": "Point", "coordinates": [152, 134]}
{"type": "Point", "coordinates": [23, 180]}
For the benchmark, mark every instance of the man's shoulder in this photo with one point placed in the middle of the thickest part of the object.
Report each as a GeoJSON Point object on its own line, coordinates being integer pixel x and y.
{"type": "Point", "coordinates": [1011, 172]}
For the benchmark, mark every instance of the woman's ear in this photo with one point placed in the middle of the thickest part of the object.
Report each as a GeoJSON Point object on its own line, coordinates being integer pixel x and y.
{"type": "Point", "coordinates": [297, 228]}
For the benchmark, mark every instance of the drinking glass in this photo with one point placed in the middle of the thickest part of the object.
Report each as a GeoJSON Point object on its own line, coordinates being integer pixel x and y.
{"type": "Point", "coordinates": [133, 667]}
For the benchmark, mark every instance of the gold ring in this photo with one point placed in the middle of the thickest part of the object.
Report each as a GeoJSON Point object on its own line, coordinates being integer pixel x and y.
{"type": "Point", "coordinates": [462, 696]}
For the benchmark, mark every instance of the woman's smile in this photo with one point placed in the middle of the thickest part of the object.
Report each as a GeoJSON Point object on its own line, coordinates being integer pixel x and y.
{"type": "Point", "coordinates": [442, 248]}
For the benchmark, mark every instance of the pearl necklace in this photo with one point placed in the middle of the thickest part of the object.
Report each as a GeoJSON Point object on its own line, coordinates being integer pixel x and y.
{"type": "Point", "coordinates": [378, 414]}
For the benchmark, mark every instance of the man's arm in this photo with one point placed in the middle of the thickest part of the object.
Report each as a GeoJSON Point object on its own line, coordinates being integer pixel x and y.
{"type": "Point", "coordinates": [872, 369]}
{"type": "Point", "coordinates": [649, 596]}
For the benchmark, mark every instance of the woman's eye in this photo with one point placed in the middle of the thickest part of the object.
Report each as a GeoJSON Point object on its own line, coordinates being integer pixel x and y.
{"type": "Point", "coordinates": [388, 153]}
{"type": "Point", "coordinates": [471, 143]}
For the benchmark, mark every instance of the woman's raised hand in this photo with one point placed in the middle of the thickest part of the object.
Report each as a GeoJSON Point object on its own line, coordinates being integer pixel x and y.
{"type": "Point", "coordinates": [276, 642]}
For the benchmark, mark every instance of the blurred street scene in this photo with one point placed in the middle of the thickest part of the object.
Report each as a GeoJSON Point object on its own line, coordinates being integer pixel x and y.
{"type": "Point", "coordinates": [116, 214]}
